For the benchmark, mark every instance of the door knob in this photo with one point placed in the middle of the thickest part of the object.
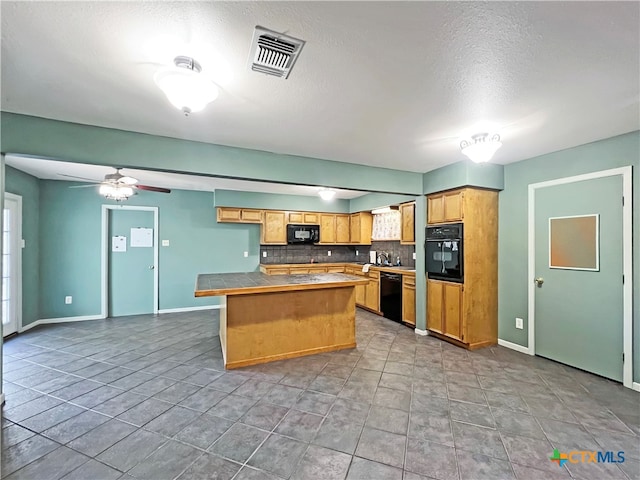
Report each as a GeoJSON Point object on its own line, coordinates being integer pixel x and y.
{"type": "Point", "coordinates": [539, 281]}
{"type": "Point", "coordinates": [151, 267]}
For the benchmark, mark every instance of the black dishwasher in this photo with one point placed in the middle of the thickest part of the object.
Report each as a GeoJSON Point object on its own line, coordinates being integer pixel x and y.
{"type": "Point", "coordinates": [391, 296]}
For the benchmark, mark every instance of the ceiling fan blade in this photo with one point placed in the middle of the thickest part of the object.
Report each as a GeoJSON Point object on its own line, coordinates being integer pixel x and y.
{"type": "Point", "coordinates": [79, 178]}
{"type": "Point", "coordinates": [152, 189]}
{"type": "Point", "coordinates": [84, 186]}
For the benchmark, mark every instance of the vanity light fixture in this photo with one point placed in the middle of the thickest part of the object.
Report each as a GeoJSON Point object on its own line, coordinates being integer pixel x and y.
{"type": "Point", "coordinates": [327, 193]}
{"type": "Point", "coordinates": [481, 147]}
{"type": "Point", "coordinates": [186, 87]}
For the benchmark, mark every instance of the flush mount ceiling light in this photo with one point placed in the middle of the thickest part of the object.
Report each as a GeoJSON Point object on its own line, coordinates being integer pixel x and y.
{"type": "Point", "coordinates": [327, 193]}
{"type": "Point", "coordinates": [481, 147]}
{"type": "Point", "coordinates": [185, 86]}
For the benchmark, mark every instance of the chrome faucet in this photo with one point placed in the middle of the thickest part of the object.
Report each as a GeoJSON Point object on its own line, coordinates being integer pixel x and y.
{"type": "Point", "coordinates": [386, 258]}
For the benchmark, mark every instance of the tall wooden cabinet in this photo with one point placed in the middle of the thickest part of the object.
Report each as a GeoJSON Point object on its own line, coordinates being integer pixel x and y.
{"type": "Point", "coordinates": [467, 313]}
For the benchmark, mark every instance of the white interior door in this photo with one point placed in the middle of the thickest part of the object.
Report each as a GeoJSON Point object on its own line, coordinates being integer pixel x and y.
{"type": "Point", "coordinates": [11, 263]}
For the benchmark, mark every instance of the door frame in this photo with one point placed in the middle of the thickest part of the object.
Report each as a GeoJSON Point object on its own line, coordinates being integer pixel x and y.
{"type": "Point", "coordinates": [17, 274]}
{"type": "Point", "coordinates": [627, 268]}
{"type": "Point", "coordinates": [104, 267]}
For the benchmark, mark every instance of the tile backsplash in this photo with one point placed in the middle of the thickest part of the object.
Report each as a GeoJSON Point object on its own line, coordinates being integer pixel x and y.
{"type": "Point", "coordinates": [339, 253]}
{"type": "Point", "coordinates": [395, 249]}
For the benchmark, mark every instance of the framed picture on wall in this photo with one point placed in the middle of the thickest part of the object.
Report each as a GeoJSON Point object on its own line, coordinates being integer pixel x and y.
{"type": "Point", "coordinates": [574, 242]}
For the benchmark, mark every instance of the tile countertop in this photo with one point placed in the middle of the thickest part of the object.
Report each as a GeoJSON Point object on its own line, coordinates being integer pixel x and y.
{"type": "Point", "coordinates": [215, 284]}
{"type": "Point", "coordinates": [401, 269]}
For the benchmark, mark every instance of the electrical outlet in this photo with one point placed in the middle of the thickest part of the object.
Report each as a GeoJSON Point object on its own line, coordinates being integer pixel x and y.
{"type": "Point", "coordinates": [246, 254]}
{"type": "Point", "coordinates": [165, 243]}
{"type": "Point", "coordinates": [68, 299]}
{"type": "Point", "coordinates": [264, 254]}
{"type": "Point", "coordinates": [414, 255]}
{"type": "Point", "coordinates": [519, 323]}
{"type": "Point", "coordinates": [328, 253]}
{"type": "Point", "coordinates": [357, 253]}
{"type": "Point", "coordinates": [23, 244]}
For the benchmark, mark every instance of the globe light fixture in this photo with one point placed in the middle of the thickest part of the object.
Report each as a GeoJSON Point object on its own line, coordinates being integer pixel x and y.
{"type": "Point", "coordinates": [185, 86]}
{"type": "Point", "coordinates": [327, 193]}
{"type": "Point", "coordinates": [481, 147]}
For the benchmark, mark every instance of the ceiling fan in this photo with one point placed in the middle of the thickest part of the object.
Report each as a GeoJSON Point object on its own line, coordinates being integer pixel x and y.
{"type": "Point", "coordinates": [117, 186]}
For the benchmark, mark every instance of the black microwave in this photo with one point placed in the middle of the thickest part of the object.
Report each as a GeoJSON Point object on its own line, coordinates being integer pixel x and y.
{"type": "Point", "coordinates": [303, 233]}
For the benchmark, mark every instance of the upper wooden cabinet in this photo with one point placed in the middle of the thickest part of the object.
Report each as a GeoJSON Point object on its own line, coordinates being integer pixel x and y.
{"type": "Point", "coordinates": [342, 228]}
{"type": "Point", "coordinates": [304, 218]}
{"type": "Point", "coordinates": [445, 207]}
{"type": "Point", "coordinates": [407, 231]}
{"type": "Point", "coordinates": [274, 228]}
{"type": "Point", "coordinates": [327, 228]}
{"type": "Point", "coordinates": [238, 215]}
{"type": "Point", "coordinates": [335, 228]}
{"type": "Point", "coordinates": [361, 225]}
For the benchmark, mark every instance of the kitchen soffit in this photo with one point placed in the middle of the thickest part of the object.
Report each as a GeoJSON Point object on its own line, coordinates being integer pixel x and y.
{"type": "Point", "coordinates": [63, 171]}
{"type": "Point", "coordinates": [390, 84]}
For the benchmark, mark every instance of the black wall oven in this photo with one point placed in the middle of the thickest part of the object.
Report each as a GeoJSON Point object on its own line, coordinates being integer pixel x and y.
{"type": "Point", "coordinates": [443, 248]}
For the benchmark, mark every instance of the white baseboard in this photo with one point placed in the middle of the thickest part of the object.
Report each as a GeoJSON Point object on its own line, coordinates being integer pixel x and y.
{"type": "Point", "coordinates": [420, 332]}
{"type": "Point", "coordinates": [636, 386]}
{"type": "Point", "coordinates": [514, 346]}
{"type": "Point", "coordinates": [44, 321]}
{"type": "Point", "coordinates": [189, 309]}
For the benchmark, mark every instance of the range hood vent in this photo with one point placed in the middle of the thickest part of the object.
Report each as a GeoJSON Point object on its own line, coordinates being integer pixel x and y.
{"type": "Point", "coordinates": [273, 53]}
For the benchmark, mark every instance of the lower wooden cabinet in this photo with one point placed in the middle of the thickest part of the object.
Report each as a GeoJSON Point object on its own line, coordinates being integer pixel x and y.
{"type": "Point", "coordinates": [372, 293]}
{"type": "Point", "coordinates": [409, 299]}
{"type": "Point", "coordinates": [444, 308]}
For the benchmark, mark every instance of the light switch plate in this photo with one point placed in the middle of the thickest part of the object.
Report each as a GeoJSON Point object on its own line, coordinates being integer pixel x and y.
{"type": "Point", "coordinates": [246, 254]}
{"type": "Point", "coordinates": [68, 300]}
{"type": "Point", "coordinates": [357, 253]}
{"type": "Point", "coordinates": [23, 244]}
{"type": "Point", "coordinates": [519, 323]}
{"type": "Point", "coordinates": [328, 253]}
{"type": "Point", "coordinates": [264, 254]}
{"type": "Point", "coordinates": [414, 255]}
{"type": "Point", "coordinates": [165, 243]}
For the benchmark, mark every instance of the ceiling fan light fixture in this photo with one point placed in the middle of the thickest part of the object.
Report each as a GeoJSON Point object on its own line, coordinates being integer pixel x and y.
{"type": "Point", "coordinates": [481, 147]}
{"type": "Point", "coordinates": [115, 192]}
{"type": "Point", "coordinates": [327, 193]}
{"type": "Point", "coordinates": [185, 86]}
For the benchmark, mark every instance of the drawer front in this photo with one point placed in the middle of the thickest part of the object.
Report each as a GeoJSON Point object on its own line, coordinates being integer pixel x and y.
{"type": "Point", "coordinates": [335, 270]}
{"type": "Point", "coordinates": [409, 280]}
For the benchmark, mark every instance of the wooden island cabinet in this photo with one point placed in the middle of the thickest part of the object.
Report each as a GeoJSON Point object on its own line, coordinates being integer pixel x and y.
{"type": "Point", "coordinates": [466, 314]}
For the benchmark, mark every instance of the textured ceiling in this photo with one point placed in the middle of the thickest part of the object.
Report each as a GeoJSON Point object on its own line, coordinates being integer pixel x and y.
{"type": "Point", "coordinates": [391, 84]}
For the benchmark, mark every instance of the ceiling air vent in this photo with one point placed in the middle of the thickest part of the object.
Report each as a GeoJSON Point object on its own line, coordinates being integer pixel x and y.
{"type": "Point", "coordinates": [273, 53]}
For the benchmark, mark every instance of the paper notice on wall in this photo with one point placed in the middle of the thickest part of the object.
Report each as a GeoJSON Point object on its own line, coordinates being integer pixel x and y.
{"type": "Point", "coordinates": [119, 243]}
{"type": "Point", "coordinates": [141, 237]}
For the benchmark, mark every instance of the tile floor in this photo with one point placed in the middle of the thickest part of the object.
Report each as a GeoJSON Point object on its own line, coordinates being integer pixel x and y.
{"type": "Point", "coordinates": [147, 397]}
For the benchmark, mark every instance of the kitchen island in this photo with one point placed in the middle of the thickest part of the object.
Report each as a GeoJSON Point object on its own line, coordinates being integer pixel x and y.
{"type": "Point", "coordinates": [264, 318]}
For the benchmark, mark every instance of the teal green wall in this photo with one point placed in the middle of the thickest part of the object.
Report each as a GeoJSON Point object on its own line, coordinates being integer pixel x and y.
{"type": "Point", "coordinates": [27, 187]}
{"type": "Point", "coordinates": [271, 201]}
{"type": "Point", "coordinates": [512, 254]}
{"type": "Point", "coordinates": [40, 137]}
{"type": "Point", "coordinates": [70, 226]}
{"type": "Point", "coordinates": [461, 174]}
{"type": "Point", "coordinates": [375, 200]}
